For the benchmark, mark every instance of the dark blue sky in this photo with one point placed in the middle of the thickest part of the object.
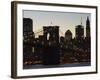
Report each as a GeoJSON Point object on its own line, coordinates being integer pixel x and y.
{"type": "Point", "coordinates": [66, 20]}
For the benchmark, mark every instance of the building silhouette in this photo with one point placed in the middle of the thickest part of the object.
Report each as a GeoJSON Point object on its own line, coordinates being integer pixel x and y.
{"type": "Point", "coordinates": [88, 28]}
{"type": "Point", "coordinates": [28, 36]}
{"type": "Point", "coordinates": [62, 42]}
{"type": "Point", "coordinates": [88, 36]}
{"type": "Point", "coordinates": [68, 35]}
{"type": "Point", "coordinates": [68, 41]}
{"type": "Point", "coordinates": [79, 32]}
{"type": "Point", "coordinates": [27, 25]}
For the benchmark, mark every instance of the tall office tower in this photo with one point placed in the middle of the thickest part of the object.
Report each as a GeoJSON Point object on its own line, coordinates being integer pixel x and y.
{"type": "Point", "coordinates": [27, 39]}
{"type": "Point", "coordinates": [88, 28]}
{"type": "Point", "coordinates": [79, 32]}
{"type": "Point", "coordinates": [88, 36]}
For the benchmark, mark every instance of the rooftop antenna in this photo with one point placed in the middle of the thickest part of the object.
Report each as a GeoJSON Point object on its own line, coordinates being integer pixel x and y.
{"type": "Point", "coordinates": [81, 20]}
{"type": "Point", "coordinates": [51, 23]}
{"type": "Point", "coordinates": [87, 17]}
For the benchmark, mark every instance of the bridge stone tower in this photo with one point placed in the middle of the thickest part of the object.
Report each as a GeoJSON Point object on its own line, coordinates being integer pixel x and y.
{"type": "Point", "coordinates": [51, 47]}
{"type": "Point", "coordinates": [53, 32]}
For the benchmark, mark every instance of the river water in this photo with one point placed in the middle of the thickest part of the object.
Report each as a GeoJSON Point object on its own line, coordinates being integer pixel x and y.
{"type": "Point", "coordinates": [55, 66]}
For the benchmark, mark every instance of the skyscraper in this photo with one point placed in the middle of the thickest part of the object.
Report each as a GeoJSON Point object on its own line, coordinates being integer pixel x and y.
{"type": "Point", "coordinates": [88, 28]}
{"type": "Point", "coordinates": [27, 25]}
{"type": "Point", "coordinates": [68, 39]}
{"type": "Point", "coordinates": [79, 35]}
{"type": "Point", "coordinates": [88, 36]}
{"type": "Point", "coordinates": [27, 39]}
{"type": "Point", "coordinates": [79, 32]}
{"type": "Point", "coordinates": [68, 35]}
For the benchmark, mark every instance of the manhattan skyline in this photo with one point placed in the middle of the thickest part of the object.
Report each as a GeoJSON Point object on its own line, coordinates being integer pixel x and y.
{"type": "Point", "coordinates": [66, 20]}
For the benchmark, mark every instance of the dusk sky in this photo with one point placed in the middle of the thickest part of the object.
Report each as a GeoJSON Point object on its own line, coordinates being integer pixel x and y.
{"type": "Point", "coordinates": [66, 20]}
